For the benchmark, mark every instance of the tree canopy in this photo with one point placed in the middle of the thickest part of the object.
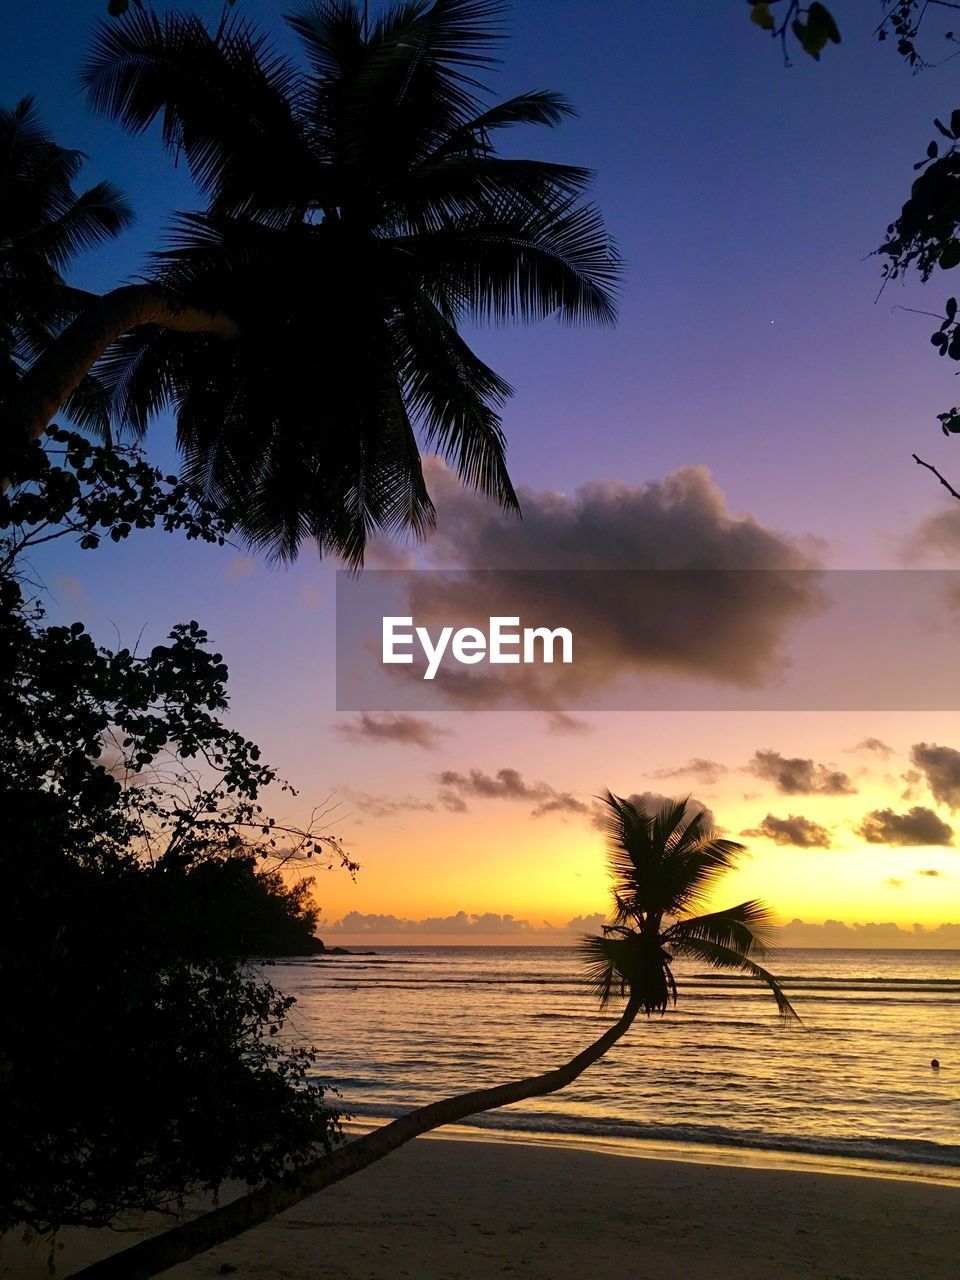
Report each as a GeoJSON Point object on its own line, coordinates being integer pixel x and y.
{"type": "Point", "coordinates": [139, 871]}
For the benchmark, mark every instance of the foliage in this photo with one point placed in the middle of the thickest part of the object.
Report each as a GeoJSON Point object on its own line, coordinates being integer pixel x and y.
{"type": "Point", "coordinates": [140, 1058]}
{"type": "Point", "coordinates": [357, 214]}
{"type": "Point", "coordinates": [44, 223]}
{"type": "Point", "coordinates": [662, 865]}
{"type": "Point", "coordinates": [812, 26]}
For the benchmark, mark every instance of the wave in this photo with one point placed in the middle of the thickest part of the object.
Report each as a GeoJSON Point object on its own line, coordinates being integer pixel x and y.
{"type": "Point", "coordinates": [886, 1150]}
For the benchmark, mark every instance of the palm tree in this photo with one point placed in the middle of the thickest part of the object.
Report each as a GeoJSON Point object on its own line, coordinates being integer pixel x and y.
{"type": "Point", "coordinates": [44, 224]}
{"type": "Point", "coordinates": [663, 865]}
{"type": "Point", "coordinates": [358, 215]}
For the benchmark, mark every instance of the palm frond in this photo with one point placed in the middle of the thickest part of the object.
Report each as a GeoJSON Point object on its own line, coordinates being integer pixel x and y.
{"type": "Point", "coordinates": [516, 263]}
{"type": "Point", "coordinates": [223, 102]}
{"type": "Point", "coordinates": [724, 957]}
{"type": "Point", "coordinates": [100, 213]}
{"type": "Point", "coordinates": [454, 394]}
{"type": "Point", "coordinates": [744, 928]}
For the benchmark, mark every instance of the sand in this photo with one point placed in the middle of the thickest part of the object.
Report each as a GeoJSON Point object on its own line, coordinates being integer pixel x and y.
{"type": "Point", "coordinates": [467, 1210]}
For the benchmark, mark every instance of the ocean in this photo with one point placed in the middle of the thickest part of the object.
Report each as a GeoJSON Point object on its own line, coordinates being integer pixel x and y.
{"type": "Point", "coordinates": [412, 1024]}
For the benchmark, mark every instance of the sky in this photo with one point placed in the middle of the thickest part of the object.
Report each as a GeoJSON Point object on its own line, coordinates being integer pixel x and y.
{"type": "Point", "coordinates": [755, 388]}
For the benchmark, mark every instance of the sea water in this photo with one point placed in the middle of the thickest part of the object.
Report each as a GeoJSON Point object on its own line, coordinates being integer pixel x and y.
{"type": "Point", "coordinates": [410, 1025]}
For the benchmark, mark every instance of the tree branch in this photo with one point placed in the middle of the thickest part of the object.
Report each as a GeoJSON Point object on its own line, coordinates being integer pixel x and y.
{"type": "Point", "coordinates": [158, 1254]}
{"type": "Point", "coordinates": [946, 484]}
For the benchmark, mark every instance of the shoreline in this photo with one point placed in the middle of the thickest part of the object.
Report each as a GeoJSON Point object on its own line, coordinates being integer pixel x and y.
{"type": "Point", "coordinates": [455, 1209]}
{"type": "Point", "coordinates": [746, 1157]}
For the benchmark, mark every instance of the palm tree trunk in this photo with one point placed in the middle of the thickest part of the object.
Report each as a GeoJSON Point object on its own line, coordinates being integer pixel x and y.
{"type": "Point", "coordinates": [153, 1256]}
{"type": "Point", "coordinates": [57, 373]}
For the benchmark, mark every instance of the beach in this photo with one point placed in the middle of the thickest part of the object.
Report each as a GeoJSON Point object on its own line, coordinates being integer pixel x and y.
{"type": "Point", "coordinates": [444, 1209]}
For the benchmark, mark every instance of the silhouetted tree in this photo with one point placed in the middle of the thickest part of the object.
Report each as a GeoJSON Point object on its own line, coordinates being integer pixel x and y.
{"type": "Point", "coordinates": [140, 1058]}
{"type": "Point", "coordinates": [663, 867]}
{"type": "Point", "coordinates": [44, 223]}
{"type": "Point", "coordinates": [305, 327]}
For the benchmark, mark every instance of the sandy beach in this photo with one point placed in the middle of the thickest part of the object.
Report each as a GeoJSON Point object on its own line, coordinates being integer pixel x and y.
{"type": "Point", "coordinates": [465, 1210]}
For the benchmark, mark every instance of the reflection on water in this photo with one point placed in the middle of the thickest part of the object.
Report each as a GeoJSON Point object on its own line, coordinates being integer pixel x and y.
{"type": "Point", "coordinates": [411, 1025]}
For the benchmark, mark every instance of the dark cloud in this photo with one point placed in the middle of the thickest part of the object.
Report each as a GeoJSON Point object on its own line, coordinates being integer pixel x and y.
{"type": "Point", "coordinates": [836, 933]}
{"type": "Point", "coordinates": [919, 826]}
{"type": "Point", "coordinates": [389, 727]}
{"type": "Point", "coordinates": [508, 784]}
{"type": "Point", "coordinates": [706, 772]}
{"type": "Point", "coordinates": [874, 745]}
{"type": "Point", "coordinates": [941, 768]}
{"type": "Point", "coordinates": [794, 830]}
{"type": "Point", "coordinates": [793, 776]}
{"type": "Point", "coordinates": [929, 871]}
{"type": "Point", "coordinates": [652, 802]}
{"type": "Point", "coordinates": [654, 623]}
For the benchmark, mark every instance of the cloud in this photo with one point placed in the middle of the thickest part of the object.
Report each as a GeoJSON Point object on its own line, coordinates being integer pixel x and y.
{"type": "Point", "coordinates": [469, 925]}
{"type": "Point", "coordinates": [941, 768]}
{"type": "Point", "coordinates": [450, 801]}
{"type": "Point", "coordinates": [938, 534]}
{"type": "Point", "coordinates": [793, 776]}
{"type": "Point", "coordinates": [585, 924]}
{"type": "Point", "coordinates": [406, 730]}
{"type": "Point", "coordinates": [706, 772]}
{"type": "Point", "coordinates": [929, 871]}
{"type": "Point", "coordinates": [913, 779]}
{"type": "Point", "coordinates": [508, 784]}
{"type": "Point", "coordinates": [70, 587]}
{"type": "Point", "coordinates": [240, 567]}
{"type": "Point", "coordinates": [464, 924]}
{"type": "Point", "coordinates": [919, 826]}
{"type": "Point", "coordinates": [460, 924]}
{"type": "Point", "coordinates": [794, 830]}
{"type": "Point", "coordinates": [835, 933]}
{"type": "Point", "coordinates": [875, 745]}
{"type": "Point", "coordinates": [652, 802]}
{"type": "Point", "coordinates": [561, 722]}
{"type": "Point", "coordinates": [728, 629]}
{"type": "Point", "coordinates": [379, 806]}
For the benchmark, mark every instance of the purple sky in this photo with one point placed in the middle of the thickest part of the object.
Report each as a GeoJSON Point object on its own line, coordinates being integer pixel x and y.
{"type": "Point", "coordinates": [746, 198]}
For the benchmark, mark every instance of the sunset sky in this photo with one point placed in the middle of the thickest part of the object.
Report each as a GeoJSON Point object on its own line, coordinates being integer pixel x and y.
{"type": "Point", "coordinates": [754, 389]}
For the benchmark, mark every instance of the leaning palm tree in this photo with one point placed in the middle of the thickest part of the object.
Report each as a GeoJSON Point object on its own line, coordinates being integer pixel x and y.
{"type": "Point", "coordinates": [45, 222]}
{"type": "Point", "coordinates": [358, 215]}
{"type": "Point", "coordinates": [664, 865]}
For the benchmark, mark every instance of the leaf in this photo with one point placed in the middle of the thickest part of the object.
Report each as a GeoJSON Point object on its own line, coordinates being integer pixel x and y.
{"type": "Point", "coordinates": [950, 254]}
{"type": "Point", "coordinates": [817, 31]}
{"type": "Point", "coordinates": [955, 120]}
{"type": "Point", "coordinates": [951, 308]}
{"type": "Point", "coordinates": [932, 151]}
{"type": "Point", "coordinates": [761, 15]}
{"type": "Point", "coordinates": [944, 130]}
{"type": "Point", "coordinates": [820, 16]}
{"type": "Point", "coordinates": [117, 8]}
